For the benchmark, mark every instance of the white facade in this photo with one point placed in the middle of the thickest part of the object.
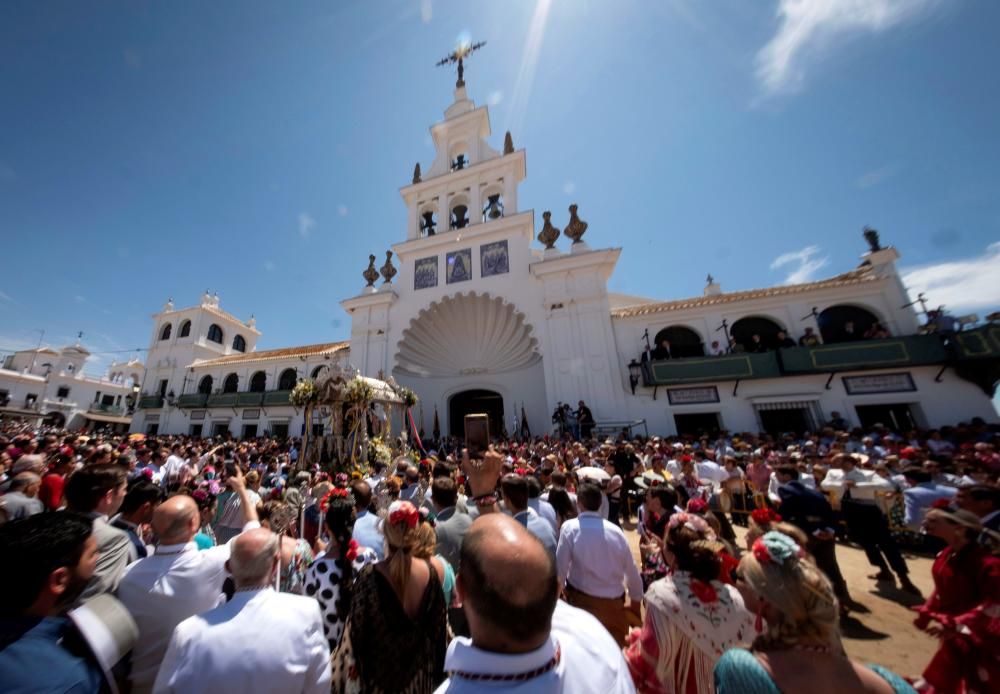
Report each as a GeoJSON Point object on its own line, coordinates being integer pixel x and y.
{"type": "Point", "coordinates": [478, 317]}
{"type": "Point", "coordinates": [50, 385]}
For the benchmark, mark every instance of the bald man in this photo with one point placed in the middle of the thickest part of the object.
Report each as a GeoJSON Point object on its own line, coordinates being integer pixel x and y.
{"type": "Point", "coordinates": [523, 638]}
{"type": "Point", "coordinates": [223, 650]}
{"type": "Point", "coordinates": [177, 581]}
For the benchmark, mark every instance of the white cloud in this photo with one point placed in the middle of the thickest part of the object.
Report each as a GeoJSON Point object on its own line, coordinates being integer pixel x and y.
{"type": "Point", "coordinates": [569, 187]}
{"type": "Point", "coordinates": [872, 178]}
{"type": "Point", "coordinates": [306, 224]}
{"type": "Point", "coordinates": [342, 210]}
{"type": "Point", "coordinates": [802, 265]}
{"type": "Point", "coordinates": [810, 26]}
{"type": "Point", "coordinates": [426, 11]}
{"type": "Point", "coordinates": [495, 97]}
{"type": "Point", "coordinates": [966, 284]}
{"type": "Point", "coordinates": [269, 266]}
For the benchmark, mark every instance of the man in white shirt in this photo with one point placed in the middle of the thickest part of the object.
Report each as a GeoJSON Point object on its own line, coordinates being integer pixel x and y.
{"type": "Point", "coordinates": [229, 519]}
{"type": "Point", "coordinates": [524, 639]}
{"type": "Point", "coordinates": [260, 641]}
{"type": "Point", "coordinates": [176, 582]}
{"type": "Point", "coordinates": [595, 564]}
{"type": "Point", "coordinates": [866, 523]}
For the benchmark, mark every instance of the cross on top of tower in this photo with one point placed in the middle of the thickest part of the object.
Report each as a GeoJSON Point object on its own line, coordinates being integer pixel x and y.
{"type": "Point", "coordinates": [461, 52]}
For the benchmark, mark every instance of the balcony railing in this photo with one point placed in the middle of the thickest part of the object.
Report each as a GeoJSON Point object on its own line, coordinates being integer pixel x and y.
{"type": "Point", "coordinates": [150, 402]}
{"type": "Point", "coordinates": [249, 399]}
{"type": "Point", "coordinates": [192, 400]}
{"type": "Point", "coordinates": [730, 367]}
{"type": "Point", "coordinates": [277, 397]}
{"type": "Point", "coordinates": [106, 409]}
{"type": "Point", "coordinates": [222, 400]}
{"type": "Point", "coordinates": [963, 350]}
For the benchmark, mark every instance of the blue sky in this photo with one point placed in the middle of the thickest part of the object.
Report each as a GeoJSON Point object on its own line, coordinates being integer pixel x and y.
{"type": "Point", "coordinates": [155, 149]}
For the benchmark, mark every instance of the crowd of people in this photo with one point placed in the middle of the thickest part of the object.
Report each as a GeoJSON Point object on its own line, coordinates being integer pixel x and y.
{"type": "Point", "coordinates": [218, 565]}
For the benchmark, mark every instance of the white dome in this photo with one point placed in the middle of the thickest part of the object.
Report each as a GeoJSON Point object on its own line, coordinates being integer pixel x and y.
{"type": "Point", "coordinates": [466, 334]}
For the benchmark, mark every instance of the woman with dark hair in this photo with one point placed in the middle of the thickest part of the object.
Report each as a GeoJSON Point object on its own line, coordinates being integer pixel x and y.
{"type": "Point", "coordinates": [691, 617]}
{"type": "Point", "coordinates": [330, 578]}
{"type": "Point", "coordinates": [563, 505]}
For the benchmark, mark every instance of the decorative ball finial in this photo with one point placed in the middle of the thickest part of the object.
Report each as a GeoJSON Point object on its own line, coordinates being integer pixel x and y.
{"type": "Point", "coordinates": [370, 274]}
{"type": "Point", "coordinates": [549, 234]}
{"type": "Point", "coordinates": [416, 173]}
{"type": "Point", "coordinates": [576, 227]}
{"type": "Point", "coordinates": [388, 270]}
{"type": "Point", "coordinates": [508, 143]}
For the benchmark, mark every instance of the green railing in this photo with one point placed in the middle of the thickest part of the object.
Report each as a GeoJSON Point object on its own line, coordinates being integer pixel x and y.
{"type": "Point", "coordinates": [192, 400]}
{"type": "Point", "coordinates": [222, 400]}
{"type": "Point", "coordinates": [981, 343]}
{"type": "Point", "coordinates": [277, 397]}
{"type": "Point", "coordinates": [249, 399]}
{"type": "Point", "coordinates": [913, 350]}
{"type": "Point", "coordinates": [150, 402]}
{"type": "Point", "coordinates": [108, 409]}
{"type": "Point", "coordinates": [730, 367]}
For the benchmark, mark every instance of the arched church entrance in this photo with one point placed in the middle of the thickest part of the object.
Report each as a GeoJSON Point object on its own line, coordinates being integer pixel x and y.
{"type": "Point", "coordinates": [475, 401]}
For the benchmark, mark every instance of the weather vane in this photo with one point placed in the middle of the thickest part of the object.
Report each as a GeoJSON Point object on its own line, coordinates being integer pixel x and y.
{"type": "Point", "coordinates": [457, 56]}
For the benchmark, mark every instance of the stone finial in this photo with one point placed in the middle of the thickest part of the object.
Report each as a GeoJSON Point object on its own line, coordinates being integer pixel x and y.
{"type": "Point", "coordinates": [370, 274]}
{"type": "Point", "coordinates": [709, 279]}
{"type": "Point", "coordinates": [549, 234]}
{"type": "Point", "coordinates": [508, 143]}
{"type": "Point", "coordinates": [871, 236]}
{"type": "Point", "coordinates": [416, 173]}
{"type": "Point", "coordinates": [169, 306]}
{"type": "Point", "coordinates": [576, 227]}
{"type": "Point", "coordinates": [252, 323]}
{"type": "Point", "coordinates": [388, 270]}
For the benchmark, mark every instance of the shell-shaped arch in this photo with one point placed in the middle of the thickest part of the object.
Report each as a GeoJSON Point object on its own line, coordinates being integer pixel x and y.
{"type": "Point", "coordinates": [466, 334]}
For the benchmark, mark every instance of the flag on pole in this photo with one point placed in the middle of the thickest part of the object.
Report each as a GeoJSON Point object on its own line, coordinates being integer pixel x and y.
{"type": "Point", "coordinates": [416, 434]}
{"type": "Point", "coordinates": [436, 431]}
{"type": "Point", "coordinates": [525, 430]}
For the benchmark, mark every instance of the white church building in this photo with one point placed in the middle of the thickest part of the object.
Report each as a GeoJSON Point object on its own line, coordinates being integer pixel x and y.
{"type": "Point", "coordinates": [475, 315]}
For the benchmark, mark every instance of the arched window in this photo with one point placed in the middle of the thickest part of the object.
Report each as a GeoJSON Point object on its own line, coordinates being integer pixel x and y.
{"type": "Point", "coordinates": [684, 342]}
{"type": "Point", "coordinates": [315, 372]}
{"type": "Point", "coordinates": [231, 384]}
{"type": "Point", "coordinates": [205, 385]}
{"type": "Point", "coordinates": [286, 381]}
{"type": "Point", "coordinates": [239, 344]}
{"type": "Point", "coordinates": [258, 382]}
{"type": "Point", "coordinates": [743, 330]}
{"type": "Point", "coordinates": [185, 329]}
{"type": "Point", "coordinates": [845, 323]}
{"type": "Point", "coordinates": [215, 333]}
{"type": "Point", "coordinates": [165, 332]}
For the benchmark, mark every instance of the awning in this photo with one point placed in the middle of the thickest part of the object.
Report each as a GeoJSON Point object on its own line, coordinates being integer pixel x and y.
{"type": "Point", "coordinates": [786, 405]}
{"type": "Point", "coordinates": [114, 419]}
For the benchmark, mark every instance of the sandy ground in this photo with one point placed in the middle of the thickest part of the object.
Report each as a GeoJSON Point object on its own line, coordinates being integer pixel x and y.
{"type": "Point", "coordinates": [885, 634]}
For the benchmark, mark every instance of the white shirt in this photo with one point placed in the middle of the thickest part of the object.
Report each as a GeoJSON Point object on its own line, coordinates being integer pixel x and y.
{"type": "Point", "coordinates": [544, 509]}
{"type": "Point", "coordinates": [232, 512]}
{"type": "Point", "coordinates": [590, 661]}
{"type": "Point", "coordinates": [164, 589]}
{"type": "Point", "coordinates": [866, 484]}
{"type": "Point", "coordinates": [713, 472]}
{"type": "Point", "coordinates": [261, 641]}
{"type": "Point", "coordinates": [595, 558]}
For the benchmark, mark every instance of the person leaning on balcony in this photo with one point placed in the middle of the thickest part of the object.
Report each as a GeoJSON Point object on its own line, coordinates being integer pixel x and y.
{"type": "Point", "coordinates": [782, 340]}
{"type": "Point", "coordinates": [662, 351]}
{"type": "Point", "coordinates": [809, 339]}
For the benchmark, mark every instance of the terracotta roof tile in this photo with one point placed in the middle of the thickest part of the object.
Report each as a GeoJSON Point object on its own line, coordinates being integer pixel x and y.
{"type": "Point", "coordinates": [284, 353]}
{"type": "Point", "coordinates": [858, 276]}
